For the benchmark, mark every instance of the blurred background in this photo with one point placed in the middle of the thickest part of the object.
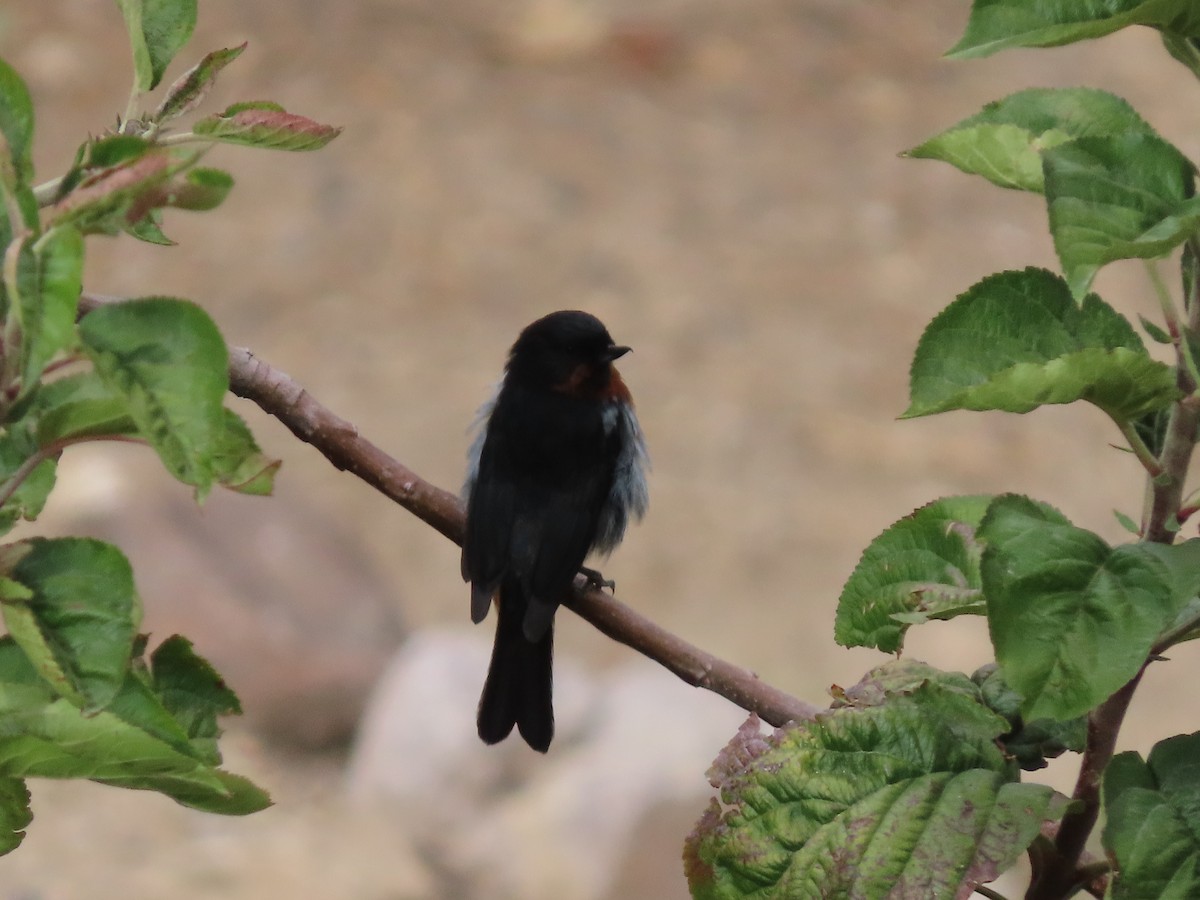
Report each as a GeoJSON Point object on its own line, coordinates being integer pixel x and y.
{"type": "Point", "coordinates": [720, 184]}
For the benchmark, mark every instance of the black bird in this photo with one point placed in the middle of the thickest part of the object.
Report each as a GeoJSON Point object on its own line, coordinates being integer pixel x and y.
{"type": "Point", "coordinates": [555, 472]}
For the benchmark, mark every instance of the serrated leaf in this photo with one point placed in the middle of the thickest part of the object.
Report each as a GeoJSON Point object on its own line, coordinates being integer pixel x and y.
{"type": "Point", "coordinates": [1152, 825]}
{"type": "Point", "coordinates": [26, 499]}
{"type": "Point", "coordinates": [1117, 197]}
{"type": "Point", "coordinates": [49, 738]}
{"type": "Point", "coordinates": [45, 297]}
{"type": "Point", "coordinates": [1071, 619]}
{"type": "Point", "coordinates": [1031, 744]}
{"type": "Point", "coordinates": [926, 563]}
{"type": "Point", "coordinates": [997, 25]}
{"type": "Point", "coordinates": [191, 87]}
{"type": "Point", "coordinates": [900, 677]}
{"type": "Point", "coordinates": [81, 405]}
{"type": "Point", "coordinates": [157, 30]}
{"type": "Point", "coordinates": [1017, 340]}
{"type": "Point", "coordinates": [239, 464]}
{"type": "Point", "coordinates": [170, 363]}
{"type": "Point", "coordinates": [193, 692]}
{"type": "Point", "coordinates": [78, 626]}
{"type": "Point", "coordinates": [880, 801]}
{"type": "Point", "coordinates": [15, 814]}
{"type": "Point", "coordinates": [260, 125]}
{"type": "Point", "coordinates": [1004, 142]}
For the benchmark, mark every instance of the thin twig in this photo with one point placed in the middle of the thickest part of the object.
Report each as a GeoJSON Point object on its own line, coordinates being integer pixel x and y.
{"type": "Point", "coordinates": [340, 442]}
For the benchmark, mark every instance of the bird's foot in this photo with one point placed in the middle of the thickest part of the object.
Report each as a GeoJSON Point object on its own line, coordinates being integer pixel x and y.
{"type": "Point", "coordinates": [596, 580]}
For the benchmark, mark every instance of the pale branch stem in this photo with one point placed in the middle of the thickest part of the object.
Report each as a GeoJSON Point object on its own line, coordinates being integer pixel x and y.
{"type": "Point", "coordinates": [340, 442]}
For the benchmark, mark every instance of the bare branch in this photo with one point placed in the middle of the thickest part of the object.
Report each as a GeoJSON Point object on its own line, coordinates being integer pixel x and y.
{"type": "Point", "coordinates": [340, 442]}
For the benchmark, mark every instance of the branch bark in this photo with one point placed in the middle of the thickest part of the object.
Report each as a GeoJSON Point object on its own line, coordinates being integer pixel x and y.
{"type": "Point", "coordinates": [340, 442]}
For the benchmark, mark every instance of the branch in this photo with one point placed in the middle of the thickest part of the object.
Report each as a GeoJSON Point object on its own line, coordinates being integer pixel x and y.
{"type": "Point", "coordinates": [340, 442]}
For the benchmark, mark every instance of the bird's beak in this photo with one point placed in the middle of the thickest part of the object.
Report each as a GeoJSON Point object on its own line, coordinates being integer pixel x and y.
{"type": "Point", "coordinates": [616, 352]}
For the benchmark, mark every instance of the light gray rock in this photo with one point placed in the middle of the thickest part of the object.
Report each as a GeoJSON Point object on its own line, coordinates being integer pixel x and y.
{"type": "Point", "coordinates": [507, 822]}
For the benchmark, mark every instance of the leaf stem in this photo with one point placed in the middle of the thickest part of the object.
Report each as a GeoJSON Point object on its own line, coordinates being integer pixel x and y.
{"type": "Point", "coordinates": [1148, 460]}
{"type": "Point", "coordinates": [1179, 334]}
{"type": "Point", "coordinates": [984, 891]}
{"type": "Point", "coordinates": [182, 137]}
{"type": "Point", "coordinates": [50, 451]}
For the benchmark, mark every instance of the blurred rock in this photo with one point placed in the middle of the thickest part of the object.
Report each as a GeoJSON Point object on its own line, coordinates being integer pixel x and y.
{"type": "Point", "coordinates": [509, 823]}
{"type": "Point", "coordinates": [284, 605]}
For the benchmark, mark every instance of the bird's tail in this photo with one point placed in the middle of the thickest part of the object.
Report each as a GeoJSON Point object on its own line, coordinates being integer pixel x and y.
{"type": "Point", "coordinates": [518, 690]}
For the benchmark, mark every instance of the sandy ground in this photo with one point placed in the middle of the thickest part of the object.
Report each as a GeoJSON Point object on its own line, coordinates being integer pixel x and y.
{"type": "Point", "coordinates": [722, 187]}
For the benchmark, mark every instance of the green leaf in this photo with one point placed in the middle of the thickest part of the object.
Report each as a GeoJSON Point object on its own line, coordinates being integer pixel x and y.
{"type": "Point", "coordinates": [1152, 825]}
{"type": "Point", "coordinates": [901, 677]}
{"type": "Point", "coordinates": [78, 624]}
{"type": "Point", "coordinates": [192, 86]}
{"type": "Point", "coordinates": [157, 31]}
{"type": "Point", "coordinates": [114, 150]}
{"type": "Point", "coordinates": [27, 498]}
{"type": "Point", "coordinates": [16, 126]}
{"type": "Point", "coordinates": [927, 564]}
{"type": "Point", "coordinates": [1017, 340]}
{"type": "Point", "coordinates": [1031, 744]}
{"type": "Point", "coordinates": [44, 298]}
{"type": "Point", "coordinates": [239, 464]}
{"type": "Point", "coordinates": [265, 125]}
{"type": "Point", "coordinates": [49, 738]}
{"type": "Point", "coordinates": [1004, 142]}
{"type": "Point", "coordinates": [1071, 619]}
{"type": "Point", "coordinates": [1000, 24]}
{"type": "Point", "coordinates": [168, 360]}
{"type": "Point", "coordinates": [874, 802]}
{"type": "Point", "coordinates": [194, 694]}
{"type": "Point", "coordinates": [1117, 197]}
{"type": "Point", "coordinates": [81, 405]}
{"type": "Point", "coordinates": [201, 189]}
{"type": "Point", "coordinates": [15, 814]}
{"type": "Point", "coordinates": [149, 229]}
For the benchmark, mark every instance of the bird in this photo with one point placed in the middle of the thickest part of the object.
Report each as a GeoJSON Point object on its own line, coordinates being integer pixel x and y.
{"type": "Point", "coordinates": [556, 471]}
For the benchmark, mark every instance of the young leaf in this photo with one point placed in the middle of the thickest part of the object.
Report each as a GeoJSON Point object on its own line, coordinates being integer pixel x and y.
{"type": "Point", "coordinates": [1004, 142]}
{"type": "Point", "coordinates": [1000, 24]}
{"type": "Point", "coordinates": [169, 362]}
{"type": "Point", "coordinates": [190, 88]}
{"type": "Point", "coordinates": [1152, 823]}
{"type": "Point", "coordinates": [16, 123]}
{"type": "Point", "coordinates": [1117, 197]}
{"type": "Point", "coordinates": [881, 801]}
{"type": "Point", "coordinates": [108, 201]}
{"type": "Point", "coordinates": [1071, 618]}
{"type": "Point", "coordinates": [927, 563]}
{"type": "Point", "coordinates": [157, 31]}
{"type": "Point", "coordinates": [149, 229]}
{"type": "Point", "coordinates": [80, 616]}
{"type": "Point", "coordinates": [265, 125]}
{"type": "Point", "coordinates": [1017, 340]}
{"type": "Point", "coordinates": [15, 814]}
{"type": "Point", "coordinates": [200, 189]}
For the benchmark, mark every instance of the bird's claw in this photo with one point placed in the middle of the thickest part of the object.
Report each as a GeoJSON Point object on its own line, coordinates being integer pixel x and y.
{"type": "Point", "coordinates": [596, 580]}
